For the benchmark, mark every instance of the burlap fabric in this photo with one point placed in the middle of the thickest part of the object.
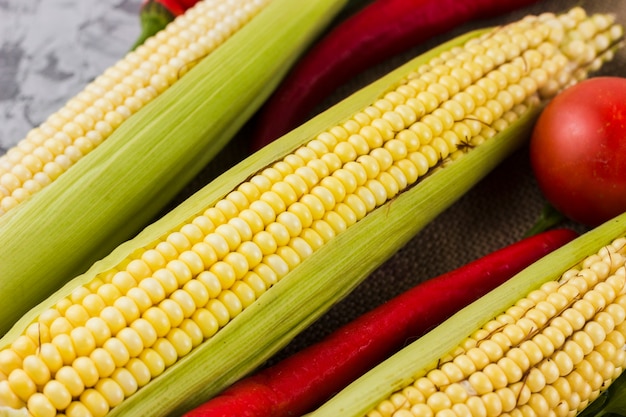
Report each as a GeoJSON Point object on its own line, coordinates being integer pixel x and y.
{"type": "Point", "coordinates": [496, 212]}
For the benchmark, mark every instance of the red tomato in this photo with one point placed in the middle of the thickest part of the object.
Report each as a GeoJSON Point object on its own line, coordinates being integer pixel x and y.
{"type": "Point", "coordinates": [578, 150]}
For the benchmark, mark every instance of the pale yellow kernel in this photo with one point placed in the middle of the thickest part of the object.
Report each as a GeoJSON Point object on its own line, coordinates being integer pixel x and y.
{"type": "Point", "coordinates": [58, 395]}
{"type": "Point", "coordinates": [493, 404]}
{"type": "Point", "coordinates": [158, 262]}
{"type": "Point", "coordinates": [114, 318]}
{"type": "Point", "coordinates": [228, 208]}
{"type": "Point", "coordinates": [574, 317]}
{"type": "Point", "coordinates": [301, 247]}
{"type": "Point", "coordinates": [335, 221]}
{"type": "Point", "coordinates": [322, 228]}
{"type": "Point", "coordinates": [211, 282]}
{"type": "Point", "coordinates": [465, 364]}
{"type": "Point", "coordinates": [332, 161]}
{"type": "Point", "coordinates": [65, 347]}
{"type": "Point", "coordinates": [318, 146]}
{"type": "Point", "coordinates": [70, 379]}
{"type": "Point", "coordinates": [193, 331]}
{"type": "Point", "coordinates": [125, 380]}
{"type": "Point", "coordinates": [109, 293]}
{"type": "Point", "coordinates": [302, 213]}
{"type": "Point", "coordinates": [255, 282]}
{"type": "Point", "coordinates": [38, 333]}
{"type": "Point", "coordinates": [173, 311]}
{"type": "Point", "coordinates": [595, 331]}
{"type": "Point", "coordinates": [184, 268]}
{"type": "Point", "coordinates": [480, 383]}
{"type": "Point", "coordinates": [185, 301]}
{"type": "Point", "coordinates": [285, 192]}
{"type": "Point", "coordinates": [166, 279]}
{"type": "Point", "coordinates": [181, 341]}
{"type": "Point", "coordinates": [549, 369]}
{"type": "Point", "coordinates": [128, 309]}
{"type": "Point", "coordinates": [425, 386]}
{"type": "Point", "coordinates": [456, 393]}
{"type": "Point", "coordinates": [218, 247]}
{"type": "Point", "coordinates": [216, 216]}
{"type": "Point", "coordinates": [289, 256]}
{"type": "Point", "coordinates": [111, 391]}
{"type": "Point", "coordinates": [158, 319]}
{"type": "Point", "coordinates": [277, 265]}
{"type": "Point", "coordinates": [561, 324]}
{"type": "Point", "coordinates": [431, 154]}
{"type": "Point", "coordinates": [438, 401]}
{"type": "Point", "coordinates": [132, 341]}
{"type": "Point", "coordinates": [476, 406]}
{"type": "Point", "coordinates": [496, 375]}
{"type": "Point", "coordinates": [9, 360]}
{"type": "Point", "coordinates": [40, 406]}
{"type": "Point", "coordinates": [492, 350]}
{"type": "Point", "coordinates": [253, 222]}
{"type": "Point", "coordinates": [348, 178]}
{"type": "Point", "coordinates": [206, 321]}
{"type": "Point", "coordinates": [87, 370]}
{"type": "Point", "coordinates": [393, 181]}
{"type": "Point", "coordinates": [60, 325]}
{"type": "Point", "coordinates": [452, 371]}
{"type": "Point", "coordinates": [141, 298]}
{"type": "Point", "coordinates": [167, 250]}
{"type": "Point", "coordinates": [532, 351]}
{"type": "Point", "coordinates": [166, 350]}
{"type": "Point", "coordinates": [124, 281]}
{"type": "Point", "coordinates": [219, 311]}
{"type": "Point", "coordinates": [83, 340]}
{"type": "Point", "coordinates": [518, 356]}
{"type": "Point", "coordinates": [357, 145]}
{"type": "Point", "coordinates": [563, 362]}
{"type": "Point", "coordinates": [141, 372]}
{"type": "Point", "coordinates": [267, 207]}
{"type": "Point", "coordinates": [330, 191]}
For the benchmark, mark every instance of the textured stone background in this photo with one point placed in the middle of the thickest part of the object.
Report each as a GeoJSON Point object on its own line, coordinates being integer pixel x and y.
{"type": "Point", "coordinates": [49, 49]}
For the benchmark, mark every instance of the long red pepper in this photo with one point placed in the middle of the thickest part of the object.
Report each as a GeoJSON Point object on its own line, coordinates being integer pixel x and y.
{"type": "Point", "coordinates": [377, 32]}
{"type": "Point", "coordinates": [304, 380]}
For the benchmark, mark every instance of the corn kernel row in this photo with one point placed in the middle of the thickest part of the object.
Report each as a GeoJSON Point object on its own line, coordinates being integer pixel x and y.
{"type": "Point", "coordinates": [123, 89]}
{"type": "Point", "coordinates": [112, 336]}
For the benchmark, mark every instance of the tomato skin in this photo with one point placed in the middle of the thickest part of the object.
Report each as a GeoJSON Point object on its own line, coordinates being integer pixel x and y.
{"type": "Point", "coordinates": [578, 150]}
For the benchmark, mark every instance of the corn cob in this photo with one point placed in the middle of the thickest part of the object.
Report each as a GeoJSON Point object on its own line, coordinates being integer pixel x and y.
{"type": "Point", "coordinates": [211, 290]}
{"type": "Point", "coordinates": [122, 90]}
{"type": "Point", "coordinates": [551, 352]}
{"type": "Point", "coordinates": [107, 196]}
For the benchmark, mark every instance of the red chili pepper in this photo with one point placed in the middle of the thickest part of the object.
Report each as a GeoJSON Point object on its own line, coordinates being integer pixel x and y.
{"type": "Point", "coordinates": [301, 382]}
{"type": "Point", "coordinates": [375, 33]}
{"type": "Point", "coordinates": [154, 15]}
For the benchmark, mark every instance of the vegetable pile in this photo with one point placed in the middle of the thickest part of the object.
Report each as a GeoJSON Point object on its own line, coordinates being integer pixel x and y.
{"type": "Point", "coordinates": [175, 319]}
